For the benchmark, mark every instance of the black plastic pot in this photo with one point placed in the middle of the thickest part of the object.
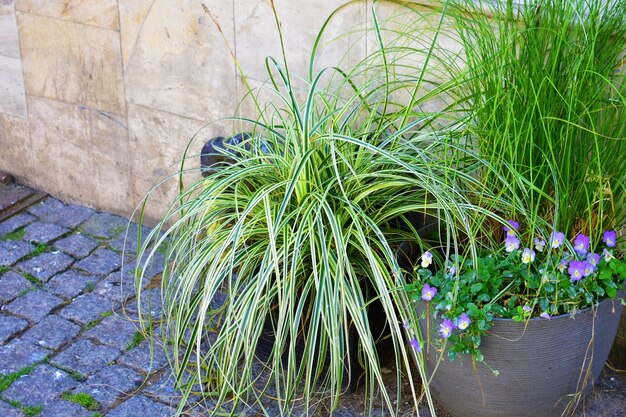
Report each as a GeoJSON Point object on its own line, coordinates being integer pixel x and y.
{"type": "Point", "coordinates": [544, 366]}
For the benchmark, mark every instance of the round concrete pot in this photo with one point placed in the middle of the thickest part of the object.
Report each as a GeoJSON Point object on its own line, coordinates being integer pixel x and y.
{"type": "Point", "coordinates": [544, 366]}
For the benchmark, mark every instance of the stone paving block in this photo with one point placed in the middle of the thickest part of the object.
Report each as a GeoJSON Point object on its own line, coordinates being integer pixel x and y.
{"type": "Point", "coordinates": [141, 406]}
{"type": "Point", "coordinates": [52, 332]}
{"type": "Point", "coordinates": [46, 265]}
{"type": "Point", "coordinates": [12, 251]}
{"type": "Point", "coordinates": [77, 245]}
{"type": "Point", "coordinates": [127, 241]}
{"type": "Point", "coordinates": [19, 354]}
{"type": "Point", "coordinates": [42, 232]}
{"type": "Point", "coordinates": [164, 390]}
{"type": "Point", "coordinates": [104, 225]}
{"type": "Point", "coordinates": [110, 384]}
{"type": "Point", "coordinates": [87, 308]}
{"type": "Point", "coordinates": [71, 283]}
{"type": "Point", "coordinates": [67, 216]}
{"type": "Point", "coordinates": [13, 223]}
{"type": "Point", "coordinates": [43, 385]}
{"type": "Point", "coordinates": [101, 262]}
{"type": "Point", "coordinates": [13, 284]}
{"type": "Point", "coordinates": [144, 359]}
{"type": "Point", "coordinates": [149, 269]}
{"type": "Point", "coordinates": [64, 409]}
{"type": "Point", "coordinates": [7, 410]}
{"type": "Point", "coordinates": [9, 326]}
{"type": "Point", "coordinates": [119, 286]}
{"type": "Point", "coordinates": [85, 357]}
{"type": "Point", "coordinates": [151, 304]}
{"type": "Point", "coordinates": [34, 305]}
{"type": "Point", "coordinates": [45, 207]}
{"type": "Point", "coordinates": [114, 331]}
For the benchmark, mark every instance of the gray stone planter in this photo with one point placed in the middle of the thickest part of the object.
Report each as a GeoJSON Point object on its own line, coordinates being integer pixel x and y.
{"type": "Point", "coordinates": [545, 367]}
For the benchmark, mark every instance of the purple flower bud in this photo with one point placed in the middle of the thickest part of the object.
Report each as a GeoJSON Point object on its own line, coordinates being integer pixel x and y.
{"type": "Point", "coordinates": [581, 244]}
{"type": "Point", "coordinates": [428, 292]}
{"type": "Point", "coordinates": [511, 243]}
{"type": "Point", "coordinates": [511, 228]}
{"type": "Point", "coordinates": [445, 328]}
{"type": "Point", "coordinates": [405, 324]}
{"type": "Point", "coordinates": [464, 321]}
{"type": "Point", "coordinates": [545, 315]}
{"type": "Point", "coordinates": [609, 238]}
{"type": "Point", "coordinates": [453, 271]}
{"type": "Point", "coordinates": [527, 309]}
{"type": "Point", "coordinates": [557, 239]}
{"type": "Point", "coordinates": [416, 345]}
{"type": "Point", "coordinates": [576, 270]}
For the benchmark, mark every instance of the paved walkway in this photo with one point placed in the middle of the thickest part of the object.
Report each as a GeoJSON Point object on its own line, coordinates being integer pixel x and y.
{"type": "Point", "coordinates": [67, 347]}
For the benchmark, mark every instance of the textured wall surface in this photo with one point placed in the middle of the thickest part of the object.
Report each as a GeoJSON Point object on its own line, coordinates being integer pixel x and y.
{"type": "Point", "coordinates": [98, 98]}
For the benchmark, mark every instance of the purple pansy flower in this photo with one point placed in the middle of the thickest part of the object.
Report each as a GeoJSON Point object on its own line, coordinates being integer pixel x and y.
{"type": "Point", "coordinates": [593, 259]}
{"type": "Point", "coordinates": [445, 328]}
{"type": "Point", "coordinates": [527, 309]}
{"type": "Point", "coordinates": [581, 244]}
{"type": "Point", "coordinates": [511, 228]}
{"type": "Point", "coordinates": [557, 239]}
{"type": "Point", "coordinates": [540, 244]}
{"type": "Point", "coordinates": [511, 243]}
{"type": "Point", "coordinates": [562, 266]}
{"type": "Point", "coordinates": [609, 238]}
{"type": "Point", "coordinates": [416, 345]}
{"type": "Point", "coordinates": [428, 292]}
{"type": "Point", "coordinates": [576, 270]}
{"type": "Point", "coordinates": [528, 255]}
{"type": "Point", "coordinates": [588, 268]}
{"type": "Point", "coordinates": [545, 315]}
{"type": "Point", "coordinates": [464, 321]}
{"type": "Point", "coordinates": [607, 255]}
{"type": "Point", "coordinates": [427, 259]}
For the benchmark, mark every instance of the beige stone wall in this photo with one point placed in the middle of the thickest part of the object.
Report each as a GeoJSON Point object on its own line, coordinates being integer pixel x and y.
{"type": "Point", "coordinates": [98, 98]}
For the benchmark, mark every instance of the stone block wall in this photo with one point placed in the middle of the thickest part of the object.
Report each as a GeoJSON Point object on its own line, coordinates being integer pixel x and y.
{"type": "Point", "coordinates": [99, 98]}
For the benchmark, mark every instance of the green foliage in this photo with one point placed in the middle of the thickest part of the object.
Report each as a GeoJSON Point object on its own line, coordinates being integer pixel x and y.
{"type": "Point", "coordinates": [511, 285]}
{"type": "Point", "coordinates": [546, 90]}
{"type": "Point", "coordinates": [82, 399]}
{"type": "Point", "coordinates": [301, 228]}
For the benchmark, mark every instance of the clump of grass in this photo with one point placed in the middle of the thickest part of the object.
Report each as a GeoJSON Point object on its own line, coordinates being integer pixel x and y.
{"type": "Point", "coordinates": [32, 410]}
{"type": "Point", "coordinates": [31, 278]}
{"type": "Point", "coordinates": [137, 339]}
{"type": "Point", "coordinates": [90, 287]}
{"type": "Point", "coordinates": [28, 410]}
{"type": "Point", "coordinates": [96, 415]}
{"type": "Point", "coordinates": [39, 249]}
{"type": "Point", "coordinates": [83, 399]}
{"type": "Point", "coordinates": [7, 380]}
{"type": "Point", "coordinates": [4, 269]}
{"type": "Point", "coordinates": [14, 235]}
{"type": "Point", "coordinates": [106, 314]}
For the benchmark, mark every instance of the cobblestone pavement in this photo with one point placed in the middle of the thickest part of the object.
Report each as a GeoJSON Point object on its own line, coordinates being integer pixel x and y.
{"type": "Point", "coordinates": [67, 344]}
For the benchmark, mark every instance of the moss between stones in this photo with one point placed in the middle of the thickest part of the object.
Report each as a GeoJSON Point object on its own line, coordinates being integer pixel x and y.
{"type": "Point", "coordinates": [82, 399]}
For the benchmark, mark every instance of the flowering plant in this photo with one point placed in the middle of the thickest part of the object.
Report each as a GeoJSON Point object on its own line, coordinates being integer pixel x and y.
{"type": "Point", "coordinates": [519, 281]}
